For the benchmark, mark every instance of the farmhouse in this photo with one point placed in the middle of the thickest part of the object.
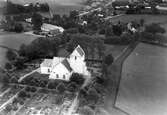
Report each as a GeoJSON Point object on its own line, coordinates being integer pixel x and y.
{"type": "Point", "coordinates": [62, 68]}
{"type": "Point", "coordinates": [51, 28]}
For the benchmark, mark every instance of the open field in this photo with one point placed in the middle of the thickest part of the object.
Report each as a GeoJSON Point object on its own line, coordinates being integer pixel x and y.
{"type": "Point", "coordinates": [144, 81]}
{"type": "Point", "coordinates": [57, 6]}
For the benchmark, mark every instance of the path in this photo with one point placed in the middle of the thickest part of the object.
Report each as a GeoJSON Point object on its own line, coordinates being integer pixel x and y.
{"type": "Point", "coordinates": [23, 77]}
{"type": "Point", "coordinates": [7, 90]}
{"type": "Point", "coordinates": [114, 74]}
{"type": "Point", "coordinates": [110, 17]}
{"type": "Point", "coordinates": [73, 106]}
{"type": "Point", "coordinates": [75, 102]}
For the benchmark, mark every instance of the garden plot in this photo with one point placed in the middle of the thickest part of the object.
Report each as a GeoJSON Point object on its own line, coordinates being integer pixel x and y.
{"type": "Point", "coordinates": [9, 94]}
{"type": "Point", "coordinates": [42, 103]}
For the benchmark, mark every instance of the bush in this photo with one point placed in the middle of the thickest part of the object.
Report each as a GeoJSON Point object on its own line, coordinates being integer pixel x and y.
{"type": "Point", "coordinates": [124, 39]}
{"type": "Point", "coordinates": [22, 94]}
{"type": "Point", "coordinates": [13, 80]}
{"type": "Point", "coordinates": [8, 108]}
{"type": "Point", "coordinates": [73, 87]}
{"type": "Point", "coordinates": [58, 100]}
{"type": "Point", "coordinates": [52, 85]}
{"type": "Point", "coordinates": [61, 88]}
{"type": "Point", "coordinates": [148, 36]}
{"type": "Point", "coordinates": [8, 66]}
{"type": "Point", "coordinates": [18, 28]}
{"type": "Point", "coordinates": [11, 55]}
{"type": "Point", "coordinates": [15, 107]}
{"type": "Point", "coordinates": [77, 78]}
{"type": "Point", "coordinates": [109, 59]}
{"type": "Point", "coordinates": [154, 28]}
{"type": "Point", "coordinates": [19, 63]}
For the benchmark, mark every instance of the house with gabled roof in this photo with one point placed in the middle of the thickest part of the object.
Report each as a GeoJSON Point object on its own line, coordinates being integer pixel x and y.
{"type": "Point", "coordinates": [62, 68]}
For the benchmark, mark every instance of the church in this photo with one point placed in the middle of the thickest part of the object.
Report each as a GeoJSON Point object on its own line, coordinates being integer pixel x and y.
{"type": "Point", "coordinates": [62, 68]}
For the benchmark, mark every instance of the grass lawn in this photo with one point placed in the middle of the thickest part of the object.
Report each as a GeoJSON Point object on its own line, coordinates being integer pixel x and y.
{"type": "Point", "coordinates": [144, 81]}
{"type": "Point", "coordinates": [115, 50]}
{"type": "Point", "coordinates": [12, 40]}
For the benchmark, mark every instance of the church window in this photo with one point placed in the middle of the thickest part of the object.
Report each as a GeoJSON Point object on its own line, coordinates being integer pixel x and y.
{"type": "Point", "coordinates": [57, 76]}
{"type": "Point", "coordinates": [64, 77]}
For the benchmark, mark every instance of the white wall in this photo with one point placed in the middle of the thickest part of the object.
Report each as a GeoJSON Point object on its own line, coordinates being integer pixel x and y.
{"type": "Point", "coordinates": [45, 70]}
{"type": "Point", "coordinates": [60, 70]}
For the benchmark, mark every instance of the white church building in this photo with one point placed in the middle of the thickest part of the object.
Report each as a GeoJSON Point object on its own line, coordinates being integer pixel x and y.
{"type": "Point", "coordinates": [62, 68]}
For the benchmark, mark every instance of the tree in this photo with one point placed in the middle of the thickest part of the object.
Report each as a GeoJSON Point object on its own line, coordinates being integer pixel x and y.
{"type": "Point", "coordinates": [40, 48]}
{"type": "Point", "coordinates": [51, 85]}
{"type": "Point", "coordinates": [74, 15]}
{"type": "Point", "coordinates": [13, 80]}
{"type": "Point", "coordinates": [22, 50]}
{"type": "Point", "coordinates": [22, 94]}
{"type": "Point", "coordinates": [154, 28]}
{"type": "Point", "coordinates": [57, 19]}
{"type": "Point", "coordinates": [8, 108]}
{"type": "Point", "coordinates": [11, 55]}
{"type": "Point", "coordinates": [117, 30]}
{"type": "Point", "coordinates": [8, 66]}
{"type": "Point", "coordinates": [77, 78]}
{"type": "Point", "coordinates": [19, 63]}
{"type": "Point", "coordinates": [44, 7]}
{"type": "Point", "coordinates": [4, 79]}
{"type": "Point", "coordinates": [61, 88]}
{"type": "Point", "coordinates": [37, 21]}
{"type": "Point", "coordinates": [72, 87]}
{"type": "Point", "coordinates": [109, 31]}
{"type": "Point", "coordinates": [109, 59]}
{"type": "Point", "coordinates": [18, 28]}
{"type": "Point", "coordinates": [142, 21]}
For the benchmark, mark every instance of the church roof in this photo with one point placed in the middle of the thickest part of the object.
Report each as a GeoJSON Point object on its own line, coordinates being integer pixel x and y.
{"type": "Point", "coordinates": [80, 50]}
{"type": "Point", "coordinates": [47, 63]}
{"type": "Point", "coordinates": [57, 60]}
{"type": "Point", "coordinates": [66, 64]}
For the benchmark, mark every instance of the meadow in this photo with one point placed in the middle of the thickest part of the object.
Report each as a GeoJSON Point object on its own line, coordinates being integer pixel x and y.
{"type": "Point", "coordinates": [144, 80]}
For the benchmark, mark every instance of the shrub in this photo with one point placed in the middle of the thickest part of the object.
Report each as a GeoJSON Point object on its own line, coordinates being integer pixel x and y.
{"type": "Point", "coordinates": [8, 66]}
{"type": "Point", "coordinates": [73, 87]}
{"type": "Point", "coordinates": [77, 78]}
{"type": "Point", "coordinates": [8, 108]}
{"type": "Point", "coordinates": [60, 88]}
{"type": "Point", "coordinates": [11, 55]}
{"type": "Point", "coordinates": [109, 59]}
{"type": "Point", "coordinates": [13, 80]}
{"type": "Point", "coordinates": [154, 28]}
{"type": "Point", "coordinates": [51, 85]}
{"type": "Point", "coordinates": [148, 36]}
{"type": "Point", "coordinates": [22, 94]}
{"type": "Point", "coordinates": [18, 28]}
